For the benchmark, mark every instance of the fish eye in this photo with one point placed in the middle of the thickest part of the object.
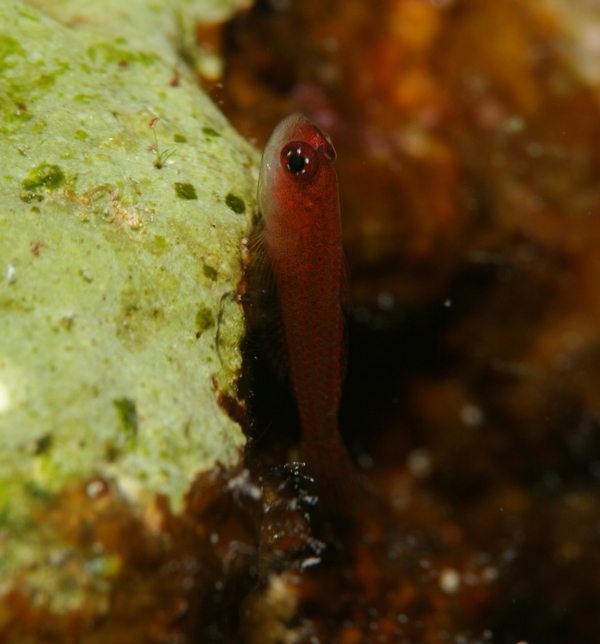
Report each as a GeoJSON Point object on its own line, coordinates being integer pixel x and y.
{"type": "Point", "coordinates": [296, 162]}
{"type": "Point", "coordinates": [300, 160]}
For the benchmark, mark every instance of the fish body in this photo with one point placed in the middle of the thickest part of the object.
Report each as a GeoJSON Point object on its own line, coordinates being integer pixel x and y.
{"type": "Point", "coordinates": [299, 201]}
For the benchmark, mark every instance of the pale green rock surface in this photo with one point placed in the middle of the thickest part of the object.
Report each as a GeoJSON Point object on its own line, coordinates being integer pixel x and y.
{"type": "Point", "coordinates": [118, 317]}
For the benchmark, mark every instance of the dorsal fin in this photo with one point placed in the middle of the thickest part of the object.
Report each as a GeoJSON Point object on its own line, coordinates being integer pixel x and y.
{"type": "Point", "coordinates": [264, 311]}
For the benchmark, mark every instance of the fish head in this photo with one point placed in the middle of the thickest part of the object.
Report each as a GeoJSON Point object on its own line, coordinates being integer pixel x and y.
{"type": "Point", "coordinates": [297, 179]}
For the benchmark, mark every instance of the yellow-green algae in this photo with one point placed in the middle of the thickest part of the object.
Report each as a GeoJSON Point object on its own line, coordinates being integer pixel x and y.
{"type": "Point", "coordinates": [117, 309]}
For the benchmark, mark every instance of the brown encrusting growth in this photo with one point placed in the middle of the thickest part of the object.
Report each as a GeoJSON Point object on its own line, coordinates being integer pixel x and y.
{"type": "Point", "coordinates": [174, 578]}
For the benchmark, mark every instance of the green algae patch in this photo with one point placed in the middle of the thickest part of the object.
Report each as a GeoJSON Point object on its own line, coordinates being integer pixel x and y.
{"type": "Point", "coordinates": [209, 272]}
{"type": "Point", "coordinates": [209, 131]}
{"type": "Point", "coordinates": [205, 319]}
{"type": "Point", "coordinates": [128, 416]}
{"type": "Point", "coordinates": [46, 176]}
{"type": "Point", "coordinates": [11, 51]}
{"type": "Point", "coordinates": [43, 444]}
{"type": "Point", "coordinates": [185, 191]}
{"type": "Point", "coordinates": [109, 355]}
{"type": "Point", "coordinates": [235, 203]}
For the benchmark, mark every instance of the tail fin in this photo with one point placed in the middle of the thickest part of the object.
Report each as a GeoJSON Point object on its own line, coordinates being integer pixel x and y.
{"type": "Point", "coordinates": [341, 493]}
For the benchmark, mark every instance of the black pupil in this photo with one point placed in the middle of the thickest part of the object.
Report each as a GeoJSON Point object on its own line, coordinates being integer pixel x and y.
{"type": "Point", "coordinates": [296, 162]}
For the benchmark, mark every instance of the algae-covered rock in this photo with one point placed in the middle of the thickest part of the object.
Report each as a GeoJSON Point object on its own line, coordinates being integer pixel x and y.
{"type": "Point", "coordinates": [124, 195]}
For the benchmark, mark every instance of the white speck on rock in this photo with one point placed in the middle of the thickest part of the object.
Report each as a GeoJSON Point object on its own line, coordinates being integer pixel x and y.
{"type": "Point", "coordinates": [11, 274]}
{"type": "Point", "coordinates": [12, 385]}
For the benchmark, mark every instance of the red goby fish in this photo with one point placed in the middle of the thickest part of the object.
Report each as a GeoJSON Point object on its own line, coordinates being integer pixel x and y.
{"type": "Point", "coordinates": [302, 236]}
